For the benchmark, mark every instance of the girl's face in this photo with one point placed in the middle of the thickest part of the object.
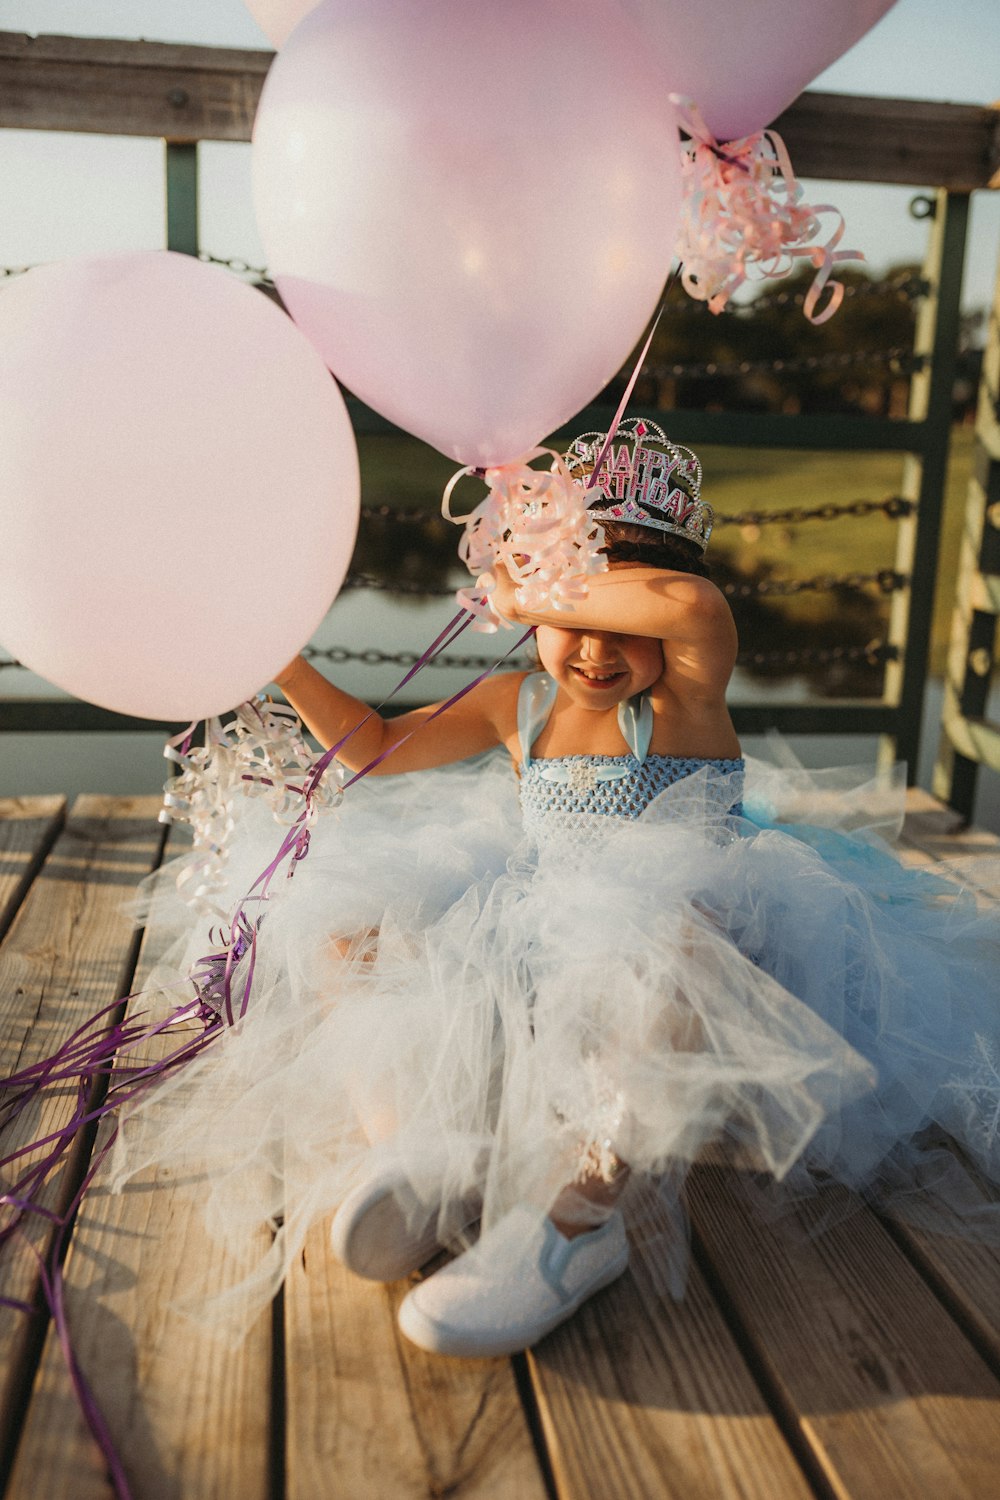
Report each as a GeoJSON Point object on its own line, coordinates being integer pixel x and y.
{"type": "Point", "coordinates": [598, 668]}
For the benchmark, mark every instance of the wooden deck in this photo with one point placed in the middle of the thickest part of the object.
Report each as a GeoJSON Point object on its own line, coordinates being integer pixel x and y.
{"type": "Point", "coordinates": [865, 1363]}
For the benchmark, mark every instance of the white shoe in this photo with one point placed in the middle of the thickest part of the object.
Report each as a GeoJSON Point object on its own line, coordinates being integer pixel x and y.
{"type": "Point", "coordinates": [383, 1231]}
{"type": "Point", "coordinates": [522, 1280]}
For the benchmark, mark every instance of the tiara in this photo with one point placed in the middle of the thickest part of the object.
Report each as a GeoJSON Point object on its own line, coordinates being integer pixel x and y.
{"type": "Point", "coordinates": [644, 479]}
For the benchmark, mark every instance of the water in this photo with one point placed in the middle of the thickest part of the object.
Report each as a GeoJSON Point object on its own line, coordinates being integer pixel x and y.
{"type": "Point", "coordinates": [133, 764]}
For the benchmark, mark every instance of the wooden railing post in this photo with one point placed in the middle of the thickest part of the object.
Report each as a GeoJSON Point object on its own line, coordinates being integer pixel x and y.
{"type": "Point", "coordinates": [968, 738]}
{"type": "Point", "coordinates": [925, 471]}
{"type": "Point", "coordinates": [182, 196]}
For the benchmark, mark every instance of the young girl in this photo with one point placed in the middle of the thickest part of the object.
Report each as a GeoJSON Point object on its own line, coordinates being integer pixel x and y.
{"type": "Point", "coordinates": [462, 1015]}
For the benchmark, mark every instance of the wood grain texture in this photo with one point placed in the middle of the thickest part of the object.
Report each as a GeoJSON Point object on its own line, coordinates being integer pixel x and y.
{"type": "Point", "coordinates": [28, 826]}
{"type": "Point", "coordinates": [938, 833]}
{"type": "Point", "coordinates": [908, 141]}
{"type": "Point", "coordinates": [370, 1414]}
{"type": "Point", "coordinates": [190, 1415]}
{"type": "Point", "coordinates": [890, 1398]}
{"type": "Point", "coordinates": [964, 1272]}
{"type": "Point", "coordinates": [129, 88]}
{"type": "Point", "coordinates": [645, 1397]}
{"type": "Point", "coordinates": [211, 93]}
{"type": "Point", "coordinates": [69, 952]}
{"type": "Point", "coordinates": [966, 1276]}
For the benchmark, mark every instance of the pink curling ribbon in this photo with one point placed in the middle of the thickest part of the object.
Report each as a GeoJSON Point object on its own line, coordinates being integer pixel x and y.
{"type": "Point", "coordinates": [744, 218]}
{"type": "Point", "coordinates": [535, 524]}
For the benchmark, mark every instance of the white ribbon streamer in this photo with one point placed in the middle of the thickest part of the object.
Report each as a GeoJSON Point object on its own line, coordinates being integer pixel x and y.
{"type": "Point", "coordinates": [259, 753]}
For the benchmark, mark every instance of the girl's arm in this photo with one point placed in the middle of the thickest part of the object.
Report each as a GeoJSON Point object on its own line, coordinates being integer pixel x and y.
{"type": "Point", "coordinates": [475, 723]}
{"type": "Point", "coordinates": [687, 613]}
{"type": "Point", "coordinates": [630, 599]}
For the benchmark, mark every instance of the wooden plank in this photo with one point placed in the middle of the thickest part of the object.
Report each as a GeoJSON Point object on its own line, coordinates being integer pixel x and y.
{"type": "Point", "coordinates": [965, 1274]}
{"type": "Point", "coordinates": [648, 1398]}
{"type": "Point", "coordinates": [889, 1398]}
{"type": "Point", "coordinates": [211, 93]}
{"type": "Point", "coordinates": [28, 826]}
{"type": "Point", "coordinates": [908, 141]}
{"type": "Point", "coordinates": [129, 88]}
{"type": "Point", "coordinates": [939, 833]}
{"type": "Point", "coordinates": [189, 1415]}
{"type": "Point", "coordinates": [69, 952]}
{"type": "Point", "coordinates": [370, 1414]}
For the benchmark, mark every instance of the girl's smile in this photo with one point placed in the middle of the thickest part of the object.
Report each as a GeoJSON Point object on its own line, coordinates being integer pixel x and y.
{"type": "Point", "coordinates": [599, 668]}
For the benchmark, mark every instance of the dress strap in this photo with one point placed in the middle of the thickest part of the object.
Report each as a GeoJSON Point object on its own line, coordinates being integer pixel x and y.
{"type": "Point", "coordinates": [535, 698]}
{"type": "Point", "coordinates": [635, 720]}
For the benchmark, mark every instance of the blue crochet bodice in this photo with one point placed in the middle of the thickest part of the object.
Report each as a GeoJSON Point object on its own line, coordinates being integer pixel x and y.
{"type": "Point", "coordinates": [620, 786]}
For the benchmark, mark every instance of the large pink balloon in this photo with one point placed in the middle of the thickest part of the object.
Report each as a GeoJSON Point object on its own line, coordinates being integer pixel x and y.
{"type": "Point", "coordinates": [180, 483]}
{"type": "Point", "coordinates": [277, 19]}
{"type": "Point", "coordinates": [744, 61]}
{"type": "Point", "coordinates": [470, 209]}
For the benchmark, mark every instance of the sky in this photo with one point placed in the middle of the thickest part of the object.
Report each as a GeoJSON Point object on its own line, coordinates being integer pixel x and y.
{"type": "Point", "coordinates": [72, 194]}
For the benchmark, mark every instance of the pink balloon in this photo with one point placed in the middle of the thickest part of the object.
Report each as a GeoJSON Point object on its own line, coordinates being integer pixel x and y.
{"type": "Point", "coordinates": [470, 209]}
{"type": "Point", "coordinates": [180, 483]}
{"type": "Point", "coordinates": [744, 61]}
{"type": "Point", "coordinates": [277, 19]}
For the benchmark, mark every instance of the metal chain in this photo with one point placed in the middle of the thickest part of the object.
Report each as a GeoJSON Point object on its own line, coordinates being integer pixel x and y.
{"type": "Point", "coordinates": [233, 263]}
{"type": "Point", "coordinates": [895, 507]}
{"type": "Point", "coordinates": [416, 516]}
{"type": "Point", "coordinates": [908, 364]}
{"type": "Point", "coordinates": [370, 657]}
{"type": "Point", "coordinates": [907, 361]}
{"type": "Point", "coordinates": [402, 586]}
{"type": "Point", "coordinates": [886, 579]}
{"type": "Point", "coordinates": [907, 288]}
{"type": "Point", "coordinates": [874, 653]}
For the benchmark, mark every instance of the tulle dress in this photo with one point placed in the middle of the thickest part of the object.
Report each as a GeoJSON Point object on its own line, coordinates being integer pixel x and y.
{"type": "Point", "coordinates": [497, 982]}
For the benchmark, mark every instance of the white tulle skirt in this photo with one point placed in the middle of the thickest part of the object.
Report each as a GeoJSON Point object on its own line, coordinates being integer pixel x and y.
{"type": "Point", "coordinates": [495, 1014]}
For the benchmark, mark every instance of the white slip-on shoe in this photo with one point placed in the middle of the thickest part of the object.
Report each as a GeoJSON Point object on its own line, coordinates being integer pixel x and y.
{"type": "Point", "coordinates": [383, 1231]}
{"type": "Point", "coordinates": [519, 1282]}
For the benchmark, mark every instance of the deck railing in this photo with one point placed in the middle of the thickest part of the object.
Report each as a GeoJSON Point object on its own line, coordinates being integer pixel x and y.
{"type": "Point", "coordinates": [187, 94]}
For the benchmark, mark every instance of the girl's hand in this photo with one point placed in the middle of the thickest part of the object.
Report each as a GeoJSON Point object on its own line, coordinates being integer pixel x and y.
{"type": "Point", "coordinates": [502, 597]}
{"type": "Point", "coordinates": [287, 673]}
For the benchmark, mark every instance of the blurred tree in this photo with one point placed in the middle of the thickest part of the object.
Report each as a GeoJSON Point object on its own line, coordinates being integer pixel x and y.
{"type": "Point", "coordinates": [764, 355]}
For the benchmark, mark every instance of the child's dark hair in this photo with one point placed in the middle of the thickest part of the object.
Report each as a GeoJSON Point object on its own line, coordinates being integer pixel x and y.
{"type": "Point", "coordinates": [625, 542]}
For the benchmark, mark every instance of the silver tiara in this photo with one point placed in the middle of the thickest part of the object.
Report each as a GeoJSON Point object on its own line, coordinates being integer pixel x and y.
{"type": "Point", "coordinates": [644, 479]}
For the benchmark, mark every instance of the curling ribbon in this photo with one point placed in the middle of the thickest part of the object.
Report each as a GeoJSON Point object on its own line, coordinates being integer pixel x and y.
{"type": "Point", "coordinates": [744, 218]}
{"type": "Point", "coordinates": [535, 524]}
